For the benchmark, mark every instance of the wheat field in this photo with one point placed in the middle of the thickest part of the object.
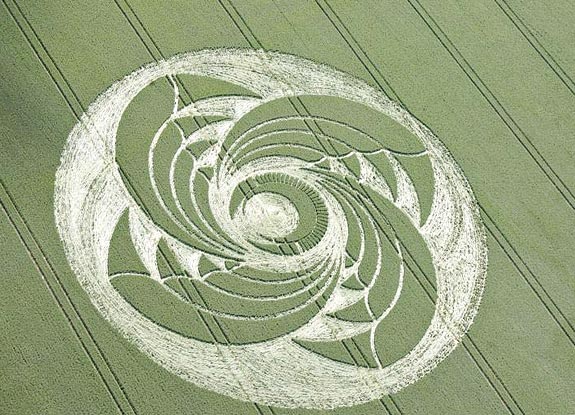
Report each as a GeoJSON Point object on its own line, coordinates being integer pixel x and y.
{"type": "Point", "coordinates": [491, 81]}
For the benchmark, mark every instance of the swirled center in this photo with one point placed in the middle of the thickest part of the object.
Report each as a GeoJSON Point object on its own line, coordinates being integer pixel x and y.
{"type": "Point", "coordinates": [269, 215]}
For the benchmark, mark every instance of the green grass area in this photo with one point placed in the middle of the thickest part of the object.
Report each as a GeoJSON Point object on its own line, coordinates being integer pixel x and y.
{"type": "Point", "coordinates": [492, 79]}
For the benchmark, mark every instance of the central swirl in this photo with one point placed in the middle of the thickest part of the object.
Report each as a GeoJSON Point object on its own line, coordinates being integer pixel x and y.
{"type": "Point", "coordinates": [268, 215]}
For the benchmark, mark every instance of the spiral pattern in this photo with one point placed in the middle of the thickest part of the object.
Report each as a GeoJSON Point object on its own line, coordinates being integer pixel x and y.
{"type": "Point", "coordinates": [287, 207]}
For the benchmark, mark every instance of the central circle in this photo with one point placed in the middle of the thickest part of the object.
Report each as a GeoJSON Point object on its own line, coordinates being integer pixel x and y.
{"type": "Point", "coordinates": [271, 215]}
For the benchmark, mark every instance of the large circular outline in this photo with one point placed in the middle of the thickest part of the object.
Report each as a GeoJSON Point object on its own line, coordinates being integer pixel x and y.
{"type": "Point", "coordinates": [90, 197]}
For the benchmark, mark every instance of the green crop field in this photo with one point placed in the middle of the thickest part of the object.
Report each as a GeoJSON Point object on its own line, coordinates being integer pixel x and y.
{"type": "Point", "coordinates": [287, 207]}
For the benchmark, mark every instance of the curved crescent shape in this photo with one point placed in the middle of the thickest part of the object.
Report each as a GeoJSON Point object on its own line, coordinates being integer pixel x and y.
{"type": "Point", "coordinates": [90, 197]}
